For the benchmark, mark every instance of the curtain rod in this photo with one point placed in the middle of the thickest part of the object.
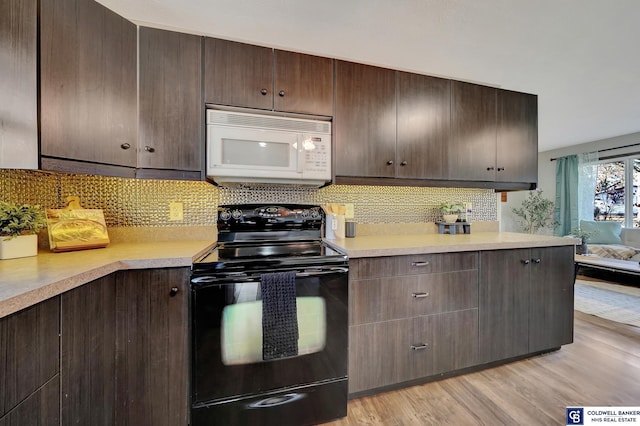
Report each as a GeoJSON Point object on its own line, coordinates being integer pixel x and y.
{"type": "Point", "coordinates": [611, 149]}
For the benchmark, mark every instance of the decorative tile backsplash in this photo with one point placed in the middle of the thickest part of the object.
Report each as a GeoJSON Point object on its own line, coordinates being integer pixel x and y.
{"type": "Point", "coordinates": [145, 202]}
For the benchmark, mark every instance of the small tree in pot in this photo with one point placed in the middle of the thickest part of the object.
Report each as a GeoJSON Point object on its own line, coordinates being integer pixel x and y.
{"type": "Point", "coordinates": [535, 213]}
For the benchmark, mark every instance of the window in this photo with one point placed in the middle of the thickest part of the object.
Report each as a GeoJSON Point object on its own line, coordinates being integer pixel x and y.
{"type": "Point", "coordinates": [614, 199]}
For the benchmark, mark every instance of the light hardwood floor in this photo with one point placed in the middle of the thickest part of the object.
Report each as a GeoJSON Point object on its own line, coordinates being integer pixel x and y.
{"type": "Point", "coordinates": [601, 368]}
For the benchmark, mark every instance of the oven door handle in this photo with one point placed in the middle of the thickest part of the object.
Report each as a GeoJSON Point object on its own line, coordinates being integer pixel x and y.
{"type": "Point", "coordinates": [251, 277]}
{"type": "Point", "coordinates": [311, 273]}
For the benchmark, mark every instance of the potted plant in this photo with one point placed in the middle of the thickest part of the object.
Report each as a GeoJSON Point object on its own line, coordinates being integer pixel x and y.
{"type": "Point", "coordinates": [583, 236]}
{"type": "Point", "coordinates": [450, 211]}
{"type": "Point", "coordinates": [19, 226]}
{"type": "Point", "coordinates": [536, 212]}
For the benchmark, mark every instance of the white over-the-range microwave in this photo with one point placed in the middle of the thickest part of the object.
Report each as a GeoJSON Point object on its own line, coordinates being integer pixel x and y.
{"type": "Point", "coordinates": [247, 148]}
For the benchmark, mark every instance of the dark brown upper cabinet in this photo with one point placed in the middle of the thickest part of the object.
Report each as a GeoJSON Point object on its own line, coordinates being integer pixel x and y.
{"type": "Point", "coordinates": [244, 75]}
{"type": "Point", "coordinates": [472, 147]}
{"type": "Point", "coordinates": [517, 137]}
{"type": "Point", "coordinates": [18, 85]}
{"type": "Point", "coordinates": [88, 85]}
{"type": "Point", "coordinates": [170, 102]}
{"type": "Point", "coordinates": [364, 121]}
{"type": "Point", "coordinates": [423, 126]}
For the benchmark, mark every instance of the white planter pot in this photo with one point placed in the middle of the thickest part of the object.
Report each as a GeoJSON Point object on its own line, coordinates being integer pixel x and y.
{"type": "Point", "coordinates": [450, 218]}
{"type": "Point", "coordinates": [22, 246]}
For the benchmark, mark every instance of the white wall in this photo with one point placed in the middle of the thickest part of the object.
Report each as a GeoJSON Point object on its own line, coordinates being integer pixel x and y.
{"type": "Point", "coordinates": [547, 173]}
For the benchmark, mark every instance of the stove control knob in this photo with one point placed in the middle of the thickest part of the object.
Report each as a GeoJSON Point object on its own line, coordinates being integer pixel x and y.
{"type": "Point", "coordinates": [315, 214]}
{"type": "Point", "coordinates": [225, 215]}
{"type": "Point", "coordinates": [236, 214]}
{"type": "Point", "coordinates": [304, 213]}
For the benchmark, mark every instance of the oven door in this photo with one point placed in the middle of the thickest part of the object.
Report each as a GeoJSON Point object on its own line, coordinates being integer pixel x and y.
{"type": "Point", "coordinates": [229, 354]}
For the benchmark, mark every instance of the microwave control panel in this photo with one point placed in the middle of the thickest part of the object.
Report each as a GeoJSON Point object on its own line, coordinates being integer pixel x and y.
{"type": "Point", "coordinates": [318, 158]}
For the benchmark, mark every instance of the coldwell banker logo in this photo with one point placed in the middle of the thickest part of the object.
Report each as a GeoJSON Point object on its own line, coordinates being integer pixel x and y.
{"type": "Point", "coordinates": [575, 416]}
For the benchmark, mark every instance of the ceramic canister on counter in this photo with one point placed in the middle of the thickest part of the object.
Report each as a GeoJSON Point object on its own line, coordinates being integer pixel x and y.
{"type": "Point", "coordinates": [350, 229]}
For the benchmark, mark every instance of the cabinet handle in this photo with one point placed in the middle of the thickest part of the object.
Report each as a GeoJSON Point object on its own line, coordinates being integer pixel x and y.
{"type": "Point", "coordinates": [173, 291]}
{"type": "Point", "coordinates": [525, 261]}
{"type": "Point", "coordinates": [404, 163]}
{"type": "Point", "coordinates": [500, 169]}
{"type": "Point", "coordinates": [419, 347]}
{"type": "Point", "coordinates": [281, 93]}
{"type": "Point", "coordinates": [390, 162]}
{"type": "Point", "coordinates": [420, 295]}
{"type": "Point", "coordinates": [125, 146]}
{"type": "Point", "coordinates": [149, 149]}
{"type": "Point", "coordinates": [536, 260]}
{"type": "Point", "coordinates": [419, 264]}
{"type": "Point", "coordinates": [264, 92]}
{"type": "Point", "coordinates": [490, 168]}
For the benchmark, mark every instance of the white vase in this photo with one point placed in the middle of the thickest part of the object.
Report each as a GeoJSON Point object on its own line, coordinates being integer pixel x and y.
{"type": "Point", "coordinates": [450, 218]}
{"type": "Point", "coordinates": [21, 246]}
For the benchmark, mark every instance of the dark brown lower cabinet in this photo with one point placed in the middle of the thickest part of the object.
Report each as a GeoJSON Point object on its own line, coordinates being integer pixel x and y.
{"type": "Point", "coordinates": [526, 301]}
{"type": "Point", "coordinates": [124, 350]}
{"type": "Point", "coordinates": [41, 408]}
{"type": "Point", "coordinates": [29, 360]}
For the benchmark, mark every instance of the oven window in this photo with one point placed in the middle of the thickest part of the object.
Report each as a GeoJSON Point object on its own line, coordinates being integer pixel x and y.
{"type": "Point", "coordinates": [255, 153]}
{"type": "Point", "coordinates": [242, 326]}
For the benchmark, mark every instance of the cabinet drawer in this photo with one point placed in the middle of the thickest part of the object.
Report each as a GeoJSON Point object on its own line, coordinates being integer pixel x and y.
{"type": "Point", "coordinates": [384, 299]}
{"type": "Point", "coordinates": [414, 264]}
{"type": "Point", "coordinates": [30, 348]}
{"type": "Point", "coordinates": [444, 342]}
{"type": "Point", "coordinates": [41, 408]}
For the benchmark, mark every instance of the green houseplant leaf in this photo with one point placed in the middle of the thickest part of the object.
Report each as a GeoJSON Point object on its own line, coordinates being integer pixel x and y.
{"type": "Point", "coordinates": [20, 219]}
{"type": "Point", "coordinates": [536, 212]}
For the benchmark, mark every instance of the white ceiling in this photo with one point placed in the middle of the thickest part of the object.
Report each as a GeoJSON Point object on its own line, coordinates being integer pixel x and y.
{"type": "Point", "coordinates": [581, 57]}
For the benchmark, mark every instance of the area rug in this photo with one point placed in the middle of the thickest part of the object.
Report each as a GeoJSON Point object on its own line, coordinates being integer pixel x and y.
{"type": "Point", "coordinates": [610, 301]}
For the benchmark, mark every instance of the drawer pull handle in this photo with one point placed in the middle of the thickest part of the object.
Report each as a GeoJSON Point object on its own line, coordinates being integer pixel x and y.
{"type": "Point", "coordinates": [420, 295]}
{"type": "Point", "coordinates": [419, 347]}
{"type": "Point", "coordinates": [419, 264]}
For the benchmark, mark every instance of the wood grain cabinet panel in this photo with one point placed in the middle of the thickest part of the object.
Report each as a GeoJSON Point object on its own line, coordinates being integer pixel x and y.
{"type": "Point", "coordinates": [364, 121]}
{"type": "Point", "coordinates": [517, 137]}
{"type": "Point", "coordinates": [88, 367]}
{"type": "Point", "coordinates": [29, 352]}
{"type": "Point", "coordinates": [303, 83]}
{"type": "Point", "coordinates": [472, 148]}
{"type": "Point", "coordinates": [389, 266]}
{"type": "Point", "coordinates": [444, 342]}
{"type": "Point", "coordinates": [423, 126]}
{"type": "Point", "coordinates": [152, 344]}
{"type": "Point", "coordinates": [88, 86]}
{"type": "Point", "coordinates": [41, 408]}
{"type": "Point", "coordinates": [551, 291]}
{"type": "Point", "coordinates": [378, 354]}
{"type": "Point", "coordinates": [170, 116]}
{"type": "Point", "coordinates": [526, 301]}
{"type": "Point", "coordinates": [18, 85]}
{"type": "Point", "coordinates": [238, 74]}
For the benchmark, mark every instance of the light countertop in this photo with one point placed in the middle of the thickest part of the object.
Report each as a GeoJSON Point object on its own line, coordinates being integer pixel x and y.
{"type": "Point", "coordinates": [393, 245]}
{"type": "Point", "coordinates": [30, 280]}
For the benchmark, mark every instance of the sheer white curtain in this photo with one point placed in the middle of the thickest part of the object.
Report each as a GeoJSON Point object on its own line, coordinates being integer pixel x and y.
{"type": "Point", "coordinates": [587, 176]}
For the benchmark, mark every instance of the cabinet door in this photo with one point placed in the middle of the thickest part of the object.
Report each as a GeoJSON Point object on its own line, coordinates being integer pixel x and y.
{"type": "Point", "coordinates": [152, 347]}
{"type": "Point", "coordinates": [88, 367]}
{"type": "Point", "coordinates": [378, 354]}
{"type": "Point", "coordinates": [18, 85]}
{"type": "Point", "coordinates": [365, 121]}
{"type": "Point", "coordinates": [238, 74]}
{"type": "Point", "coordinates": [30, 351]}
{"type": "Point", "coordinates": [303, 83]}
{"type": "Point", "coordinates": [170, 100]}
{"type": "Point", "coordinates": [551, 308]}
{"type": "Point", "coordinates": [443, 342]}
{"type": "Point", "coordinates": [472, 150]}
{"type": "Point", "coordinates": [517, 137]}
{"type": "Point", "coordinates": [504, 304]}
{"type": "Point", "coordinates": [423, 126]}
{"type": "Point", "coordinates": [88, 83]}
